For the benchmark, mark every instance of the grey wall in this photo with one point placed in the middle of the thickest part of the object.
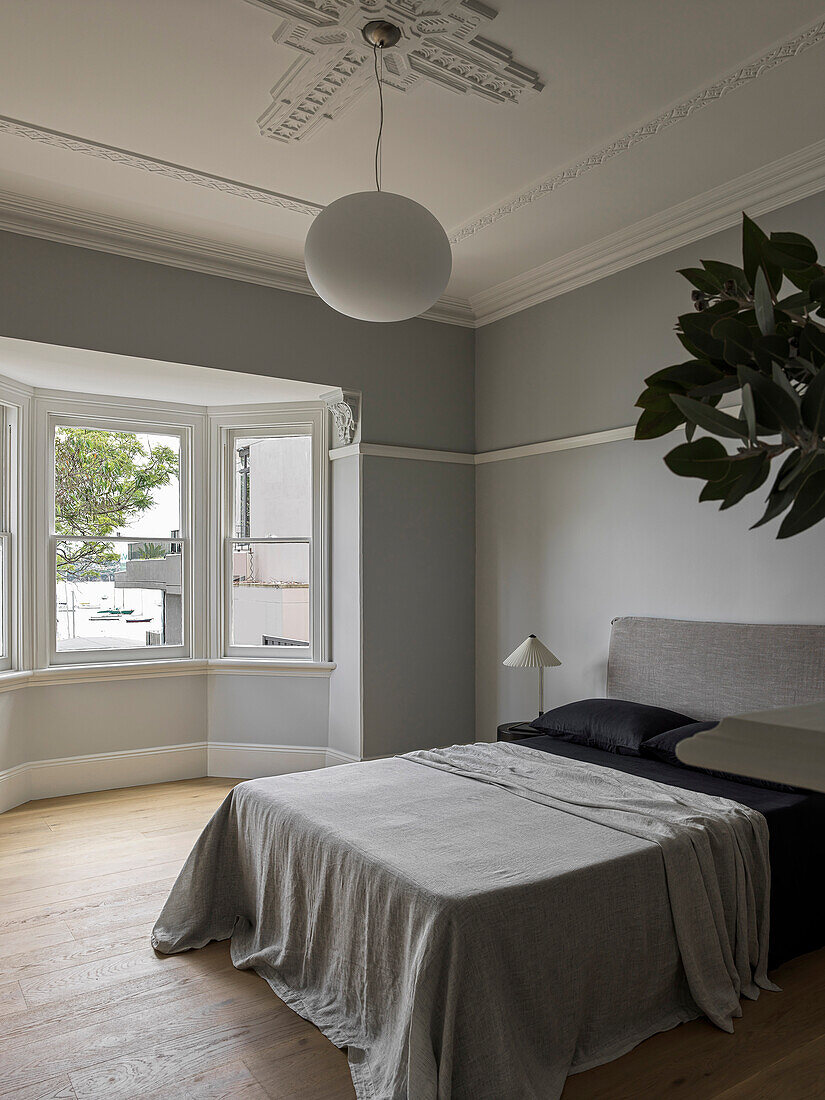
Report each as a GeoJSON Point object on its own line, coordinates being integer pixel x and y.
{"type": "Point", "coordinates": [418, 582]}
{"type": "Point", "coordinates": [570, 539]}
{"type": "Point", "coordinates": [417, 376]}
{"type": "Point", "coordinates": [79, 719]}
{"type": "Point", "coordinates": [577, 363]}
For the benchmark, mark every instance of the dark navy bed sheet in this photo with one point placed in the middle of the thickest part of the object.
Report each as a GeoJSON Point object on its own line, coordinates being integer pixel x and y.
{"type": "Point", "coordinates": [796, 822]}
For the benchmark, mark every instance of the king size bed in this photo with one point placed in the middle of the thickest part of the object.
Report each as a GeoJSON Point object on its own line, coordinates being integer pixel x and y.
{"type": "Point", "coordinates": [483, 920]}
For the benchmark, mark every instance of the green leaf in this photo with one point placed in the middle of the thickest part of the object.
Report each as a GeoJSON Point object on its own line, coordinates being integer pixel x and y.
{"type": "Point", "coordinates": [705, 458]}
{"type": "Point", "coordinates": [697, 328]}
{"type": "Point", "coordinates": [736, 338]}
{"type": "Point", "coordinates": [712, 420]}
{"type": "Point", "coordinates": [702, 280]}
{"type": "Point", "coordinates": [816, 288]}
{"type": "Point", "coordinates": [652, 423]}
{"type": "Point", "coordinates": [749, 410]}
{"type": "Point", "coordinates": [749, 474]}
{"type": "Point", "coordinates": [812, 343]}
{"type": "Point", "coordinates": [808, 507]}
{"type": "Point", "coordinates": [755, 255]}
{"type": "Point", "coordinates": [813, 405]}
{"type": "Point", "coordinates": [718, 490]}
{"type": "Point", "coordinates": [770, 349]}
{"type": "Point", "coordinates": [763, 303]}
{"type": "Point", "coordinates": [799, 300]}
{"type": "Point", "coordinates": [695, 372]}
{"type": "Point", "coordinates": [807, 277]}
{"type": "Point", "coordinates": [717, 389]}
{"type": "Point", "coordinates": [779, 499]}
{"type": "Point", "coordinates": [775, 408]}
{"type": "Point", "coordinates": [728, 273]}
{"type": "Point", "coordinates": [791, 251]}
{"type": "Point", "coordinates": [659, 400]}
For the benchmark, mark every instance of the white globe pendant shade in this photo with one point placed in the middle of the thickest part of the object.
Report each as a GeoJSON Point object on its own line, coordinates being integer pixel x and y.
{"type": "Point", "coordinates": [378, 256]}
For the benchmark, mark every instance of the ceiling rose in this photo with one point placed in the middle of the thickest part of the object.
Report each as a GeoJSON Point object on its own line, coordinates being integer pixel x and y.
{"type": "Point", "coordinates": [438, 41]}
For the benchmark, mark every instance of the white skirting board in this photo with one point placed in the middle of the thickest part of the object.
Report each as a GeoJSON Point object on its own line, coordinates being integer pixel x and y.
{"type": "Point", "coordinates": [101, 772]}
{"type": "Point", "coordinates": [239, 761]}
{"type": "Point", "coordinates": [163, 764]}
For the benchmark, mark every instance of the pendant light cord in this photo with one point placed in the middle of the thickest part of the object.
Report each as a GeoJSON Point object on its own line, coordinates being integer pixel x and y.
{"type": "Point", "coordinates": [378, 76]}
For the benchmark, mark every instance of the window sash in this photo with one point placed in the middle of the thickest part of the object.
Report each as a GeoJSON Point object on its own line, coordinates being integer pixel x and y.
{"type": "Point", "coordinates": [117, 655]}
{"type": "Point", "coordinates": [311, 425]}
{"type": "Point", "coordinates": [113, 423]}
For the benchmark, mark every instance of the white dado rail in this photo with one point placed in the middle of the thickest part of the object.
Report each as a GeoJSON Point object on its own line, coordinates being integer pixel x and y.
{"type": "Point", "coordinates": [465, 458]}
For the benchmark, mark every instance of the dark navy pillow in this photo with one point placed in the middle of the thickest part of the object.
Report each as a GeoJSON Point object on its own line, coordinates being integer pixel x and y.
{"type": "Point", "coordinates": [663, 747]}
{"type": "Point", "coordinates": [612, 724]}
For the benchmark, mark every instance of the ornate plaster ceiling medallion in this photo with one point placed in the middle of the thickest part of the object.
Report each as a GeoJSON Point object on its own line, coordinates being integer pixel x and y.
{"type": "Point", "coordinates": [439, 41]}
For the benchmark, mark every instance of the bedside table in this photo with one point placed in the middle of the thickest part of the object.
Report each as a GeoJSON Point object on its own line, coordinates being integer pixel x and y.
{"type": "Point", "coordinates": [516, 731]}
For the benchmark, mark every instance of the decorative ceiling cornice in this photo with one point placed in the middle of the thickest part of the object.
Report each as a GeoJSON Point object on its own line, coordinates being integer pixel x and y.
{"type": "Point", "coordinates": [50, 221]}
{"type": "Point", "coordinates": [439, 42]}
{"type": "Point", "coordinates": [780, 53]}
{"type": "Point", "coordinates": [16, 128]}
{"type": "Point", "coordinates": [771, 187]}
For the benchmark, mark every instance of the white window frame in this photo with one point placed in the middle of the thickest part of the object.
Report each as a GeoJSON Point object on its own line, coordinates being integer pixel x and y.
{"type": "Point", "coordinates": [273, 421]}
{"type": "Point", "coordinates": [11, 416]}
{"type": "Point", "coordinates": [135, 416]}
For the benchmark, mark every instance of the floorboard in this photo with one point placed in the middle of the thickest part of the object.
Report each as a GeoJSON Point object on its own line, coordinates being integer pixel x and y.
{"type": "Point", "coordinates": [90, 1012]}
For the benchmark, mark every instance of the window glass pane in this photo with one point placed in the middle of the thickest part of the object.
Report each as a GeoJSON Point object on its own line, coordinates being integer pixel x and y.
{"type": "Point", "coordinates": [118, 595]}
{"type": "Point", "coordinates": [116, 483]}
{"type": "Point", "coordinates": [273, 487]}
{"type": "Point", "coordinates": [3, 623]}
{"type": "Point", "coordinates": [270, 594]}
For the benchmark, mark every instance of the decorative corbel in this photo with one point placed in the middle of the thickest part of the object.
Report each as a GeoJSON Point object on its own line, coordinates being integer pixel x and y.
{"type": "Point", "coordinates": [345, 407]}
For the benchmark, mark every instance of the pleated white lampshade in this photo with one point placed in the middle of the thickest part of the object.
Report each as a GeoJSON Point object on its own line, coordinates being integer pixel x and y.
{"type": "Point", "coordinates": [533, 654]}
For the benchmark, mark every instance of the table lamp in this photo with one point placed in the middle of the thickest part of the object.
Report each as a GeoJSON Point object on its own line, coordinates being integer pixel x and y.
{"type": "Point", "coordinates": [533, 654]}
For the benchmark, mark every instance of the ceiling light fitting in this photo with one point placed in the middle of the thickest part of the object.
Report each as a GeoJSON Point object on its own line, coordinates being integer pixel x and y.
{"type": "Point", "coordinates": [374, 255]}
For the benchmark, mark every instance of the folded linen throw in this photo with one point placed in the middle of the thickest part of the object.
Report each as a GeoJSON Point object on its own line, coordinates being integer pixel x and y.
{"type": "Point", "coordinates": [484, 924]}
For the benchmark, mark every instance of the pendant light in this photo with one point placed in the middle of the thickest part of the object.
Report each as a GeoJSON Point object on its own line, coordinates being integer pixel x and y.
{"type": "Point", "coordinates": [374, 255]}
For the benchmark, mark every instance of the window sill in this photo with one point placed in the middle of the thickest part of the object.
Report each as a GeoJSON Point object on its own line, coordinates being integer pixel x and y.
{"type": "Point", "coordinates": [269, 666]}
{"type": "Point", "coordinates": [128, 670]}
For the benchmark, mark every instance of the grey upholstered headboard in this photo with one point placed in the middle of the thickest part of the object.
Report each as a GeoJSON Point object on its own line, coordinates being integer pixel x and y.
{"type": "Point", "coordinates": [711, 670]}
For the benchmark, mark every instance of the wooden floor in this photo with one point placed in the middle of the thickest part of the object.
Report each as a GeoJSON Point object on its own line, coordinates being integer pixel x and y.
{"type": "Point", "coordinates": [88, 1010]}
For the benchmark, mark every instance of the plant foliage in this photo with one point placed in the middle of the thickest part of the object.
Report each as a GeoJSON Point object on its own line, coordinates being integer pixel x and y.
{"type": "Point", "coordinates": [102, 481]}
{"type": "Point", "coordinates": [750, 334]}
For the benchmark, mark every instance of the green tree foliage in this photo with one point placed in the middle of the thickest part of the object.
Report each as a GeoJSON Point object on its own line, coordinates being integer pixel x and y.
{"type": "Point", "coordinates": [102, 481]}
{"type": "Point", "coordinates": [749, 334]}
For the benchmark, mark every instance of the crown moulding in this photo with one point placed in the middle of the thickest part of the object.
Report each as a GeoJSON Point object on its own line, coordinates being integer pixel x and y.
{"type": "Point", "coordinates": [788, 180]}
{"type": "Point", "coordinates": [50, 221]}
{"type": "Point", "coordinates": [746, 74]}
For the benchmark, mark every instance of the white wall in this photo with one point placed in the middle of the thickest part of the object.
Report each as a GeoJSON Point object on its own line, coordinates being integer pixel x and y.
{"type": "Point", "coordinates": [345, 689]}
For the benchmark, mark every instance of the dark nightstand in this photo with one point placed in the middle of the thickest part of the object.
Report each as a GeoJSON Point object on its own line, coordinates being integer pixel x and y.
{"type": "Point", "coordinates": [516, 731]}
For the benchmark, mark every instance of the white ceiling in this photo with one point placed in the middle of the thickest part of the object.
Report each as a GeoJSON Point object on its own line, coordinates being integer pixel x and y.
{"type": "Point", "coordinates": [518, 185]}
{"type": "Point", "coordinates": [48, 367]}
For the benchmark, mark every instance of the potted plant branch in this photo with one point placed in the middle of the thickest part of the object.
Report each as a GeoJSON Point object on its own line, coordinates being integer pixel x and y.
{"type": "Point", "coordinates": [750, 335]}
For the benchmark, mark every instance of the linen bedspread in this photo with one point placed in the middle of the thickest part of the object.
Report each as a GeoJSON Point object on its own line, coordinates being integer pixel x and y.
{"type": "Point", "coordinates": [396, 905]}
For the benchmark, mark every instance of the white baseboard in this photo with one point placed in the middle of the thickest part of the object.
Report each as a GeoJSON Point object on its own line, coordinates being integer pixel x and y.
{"type": "Point", "coordinates": [337, 756]}
{"type": "Point", "coordinates": [245, 761]}
{"type": "Point", "coordinates": [14, 787]}
{"type": "Point", "coordinates": [101, 772]}
{"type": "Point", "coordinates": [136, 767]}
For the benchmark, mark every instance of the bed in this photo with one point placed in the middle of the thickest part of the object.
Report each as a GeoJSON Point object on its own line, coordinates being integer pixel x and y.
{"type": "Point", "coordinates": [480, 921]}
